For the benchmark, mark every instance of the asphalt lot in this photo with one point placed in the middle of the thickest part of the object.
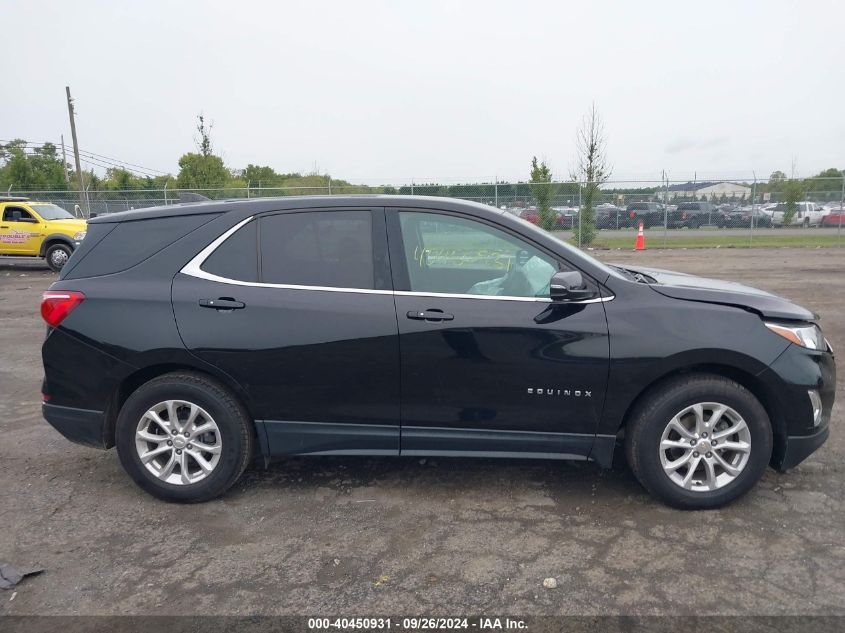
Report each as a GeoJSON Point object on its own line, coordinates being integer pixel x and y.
{"type": "Point", "coordinates": [361, 536]}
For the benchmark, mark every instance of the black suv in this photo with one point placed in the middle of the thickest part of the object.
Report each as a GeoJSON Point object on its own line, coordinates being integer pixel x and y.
{"type": "Point", "coordinates": [648, 213]}
{"type": "Point", "coordinates": [200, 337]}
{"type": "Point", "coordinates": [693, 215]}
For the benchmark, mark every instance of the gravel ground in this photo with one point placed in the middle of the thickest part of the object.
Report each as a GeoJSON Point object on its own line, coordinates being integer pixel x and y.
{"type": "Point", "coordinates": [360, 536]}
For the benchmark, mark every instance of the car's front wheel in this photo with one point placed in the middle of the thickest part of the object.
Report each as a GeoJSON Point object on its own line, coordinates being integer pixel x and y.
{"type": "Point", "coordinates": [698, 441]}
{"type": "Point", "coordinates": [57, 256]}
{"type": "Point", "coordinates": [184, 437]}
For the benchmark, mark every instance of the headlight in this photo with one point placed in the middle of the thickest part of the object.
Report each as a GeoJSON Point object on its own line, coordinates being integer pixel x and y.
{"type": "Point", "coordinates": [80, 236]}
{"type": "Point", "coordinates": [809, 336]}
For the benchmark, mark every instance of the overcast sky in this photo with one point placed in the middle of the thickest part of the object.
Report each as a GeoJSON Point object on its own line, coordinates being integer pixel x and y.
{"type": "Point", "coordinates": [381, 92]}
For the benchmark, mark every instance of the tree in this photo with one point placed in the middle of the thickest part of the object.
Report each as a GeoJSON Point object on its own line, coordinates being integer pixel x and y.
{"type": "Point", "coordinates": [793, 192]}
{"type": "Point", "coordinates": [204, 142]}
{"type": "Point", "coordinates": [121, 179]}
{"type": "Point", "coordinates": [24, 166]}
{"type": "Point", "coordinates": [776, 180]}
{"type": "Point", "coordinates": [827, 184]}
{"type": "Point", "coordinates": [592, 169]}
{"type": "Point", "coordinates": [543, 192]}
{"type": "Point", "coordinates": [203, 170]}
{"type": "Point", "coordinates": [266, 176]}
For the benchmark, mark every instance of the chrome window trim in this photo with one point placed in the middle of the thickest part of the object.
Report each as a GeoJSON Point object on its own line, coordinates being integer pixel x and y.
{"type": "Point", "coordinates": [194, 269]}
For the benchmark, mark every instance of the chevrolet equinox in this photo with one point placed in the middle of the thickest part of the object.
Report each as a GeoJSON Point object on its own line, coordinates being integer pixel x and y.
{"type": "Point", "coordinates": [200, 337]}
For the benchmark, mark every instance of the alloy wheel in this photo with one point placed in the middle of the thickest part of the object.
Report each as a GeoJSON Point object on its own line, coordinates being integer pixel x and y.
{"type": "Point", "coordinates": [705, 446]}
{"type": "Point", "coordinates": [178, 442]}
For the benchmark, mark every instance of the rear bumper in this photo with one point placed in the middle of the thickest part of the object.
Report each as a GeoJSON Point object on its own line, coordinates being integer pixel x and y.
{"type": "Point", "coordinates": [800, 447]}
{"type": "Point", "coordinates": [78, 425]}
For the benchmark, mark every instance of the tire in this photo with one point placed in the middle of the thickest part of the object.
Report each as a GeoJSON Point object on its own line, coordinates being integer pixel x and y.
{"type": "Point", "coordinates": [806, 223]}
{"type": "Point", "coordinates": [232, 437]}
{"type": "Point", "coordinates": [57, 255]}
{"type": "Point", "coordinates": [651, 419]}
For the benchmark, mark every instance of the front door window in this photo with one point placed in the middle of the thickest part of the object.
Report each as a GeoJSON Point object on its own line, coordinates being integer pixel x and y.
{"type": "Point", "coordinates": [453, 255]}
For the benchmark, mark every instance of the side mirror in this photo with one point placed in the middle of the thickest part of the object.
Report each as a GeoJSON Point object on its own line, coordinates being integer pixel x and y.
{"type": "Point", "coordinates": [570, 286]}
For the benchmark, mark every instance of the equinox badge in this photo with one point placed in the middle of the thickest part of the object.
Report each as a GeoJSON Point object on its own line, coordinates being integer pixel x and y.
{"type": "Point", "coordinates": [577, 393]}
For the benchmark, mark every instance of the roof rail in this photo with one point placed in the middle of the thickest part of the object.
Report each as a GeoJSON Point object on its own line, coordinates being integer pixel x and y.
{"type": "Point", "coordinates": [13, 198]}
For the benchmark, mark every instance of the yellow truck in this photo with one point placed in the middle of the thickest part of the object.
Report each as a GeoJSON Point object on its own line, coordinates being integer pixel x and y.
{"type": "Point", "coordinates": [38, 229]}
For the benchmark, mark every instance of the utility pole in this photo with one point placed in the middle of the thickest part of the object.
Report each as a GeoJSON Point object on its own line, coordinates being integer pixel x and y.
{"type": "Point", "coordinates": [64, 160]}
{"type": "Point", "coordinates": [79, 180]}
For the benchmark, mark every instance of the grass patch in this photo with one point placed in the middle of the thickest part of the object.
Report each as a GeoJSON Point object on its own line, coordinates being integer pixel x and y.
{"type": "Point", "coordinates": [723, 241]}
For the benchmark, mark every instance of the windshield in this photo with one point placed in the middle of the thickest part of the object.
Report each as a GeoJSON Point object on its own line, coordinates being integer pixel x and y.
{"type": "Point", "coordinates": [51, 212]}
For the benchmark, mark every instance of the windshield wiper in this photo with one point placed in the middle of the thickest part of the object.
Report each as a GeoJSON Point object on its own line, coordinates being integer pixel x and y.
{"type": "Point", "coordinates": [636, 276]}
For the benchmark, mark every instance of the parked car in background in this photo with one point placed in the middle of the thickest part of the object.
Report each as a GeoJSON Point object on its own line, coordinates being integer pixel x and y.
{"type": "Point", "coordinates": [565, 217]}
{"type": "Point", "coordinates": [834, 217]}
{"type": "Point", "coordinates": [649, 213]}
{"type": "Point", "coordinates": [748, 216]}
{"type": "Point", "coordinates": [609, 216]}
{"type": "Point", "coordinates": [725, 216]}
{"type": "Point", "coordinates": [807, 214]}
{"type": "Point", "coordinates": [38, 229]}
{"type": "Point", "coordinates": [530, 214]}
{"type": "Point", "coordinates": [692, 215]}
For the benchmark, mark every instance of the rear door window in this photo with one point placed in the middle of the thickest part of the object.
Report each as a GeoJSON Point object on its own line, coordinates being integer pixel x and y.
{"type": "Point", "coordinates": [237, 257]}
{"type": "Point", "coordinates": [318, 248]}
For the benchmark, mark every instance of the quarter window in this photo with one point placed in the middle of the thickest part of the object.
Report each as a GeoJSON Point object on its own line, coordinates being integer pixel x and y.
{"type": "Point", "coordinates": [237, 257]}
{"type": "Point", "coordinates": [318, 248]}
{"type": "Point", "coordinates": [448, 254]}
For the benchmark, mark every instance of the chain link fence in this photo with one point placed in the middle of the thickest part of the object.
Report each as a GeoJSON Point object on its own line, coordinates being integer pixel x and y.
{"type": "Point", "coordinates": [714, 213]}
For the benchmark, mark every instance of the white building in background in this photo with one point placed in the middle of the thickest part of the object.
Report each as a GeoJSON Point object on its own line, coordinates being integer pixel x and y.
{"type": "Point", "coordinates": [710, 190]}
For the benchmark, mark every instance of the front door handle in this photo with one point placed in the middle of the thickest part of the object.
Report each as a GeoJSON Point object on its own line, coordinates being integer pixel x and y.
{"type": "Point", "coordinates": [430, 315]}
{"type": "Point", "coordinates": [222, 303]}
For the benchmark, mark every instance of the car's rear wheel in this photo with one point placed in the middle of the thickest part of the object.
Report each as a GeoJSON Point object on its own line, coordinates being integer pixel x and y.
{"type": "Point", "coordinates": [184, 437]}
{"type": "Point", "coordinates": [698, 441]}
{"type": "Point", "coordinates": [57, 256]}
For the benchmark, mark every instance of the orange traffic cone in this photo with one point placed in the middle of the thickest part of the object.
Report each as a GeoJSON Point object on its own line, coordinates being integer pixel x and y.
{"type": "Point", "coordinates": [640, 245]}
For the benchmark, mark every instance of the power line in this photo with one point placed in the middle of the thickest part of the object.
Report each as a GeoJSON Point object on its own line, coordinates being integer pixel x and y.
{"type": "Point", "coordinates": [114, 161]}
{"type": "Point", "coordinates": [88, 160]}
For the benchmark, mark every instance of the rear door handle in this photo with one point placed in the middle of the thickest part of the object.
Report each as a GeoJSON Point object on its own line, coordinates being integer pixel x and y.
{"type": "Point", "coordinates": [430, 315]}
{"type": "Point", "coordinates": [222, 303]}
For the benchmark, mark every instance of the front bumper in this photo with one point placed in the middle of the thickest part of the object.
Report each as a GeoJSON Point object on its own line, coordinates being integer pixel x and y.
{"type": "Point", "coordinates": [78, 425]}
{"type": "Point", "coordinates": [790, 377]}
{"type": "Point", "coordinates": [800, 447]}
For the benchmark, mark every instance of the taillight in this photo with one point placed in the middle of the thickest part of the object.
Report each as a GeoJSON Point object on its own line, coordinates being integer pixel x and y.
{"type": "Point", "coordinates": [631, 214]}
{"type": "Point", "coordinates": [684, 215]}
{"type": "Point", "coordinates": [57, 304]}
